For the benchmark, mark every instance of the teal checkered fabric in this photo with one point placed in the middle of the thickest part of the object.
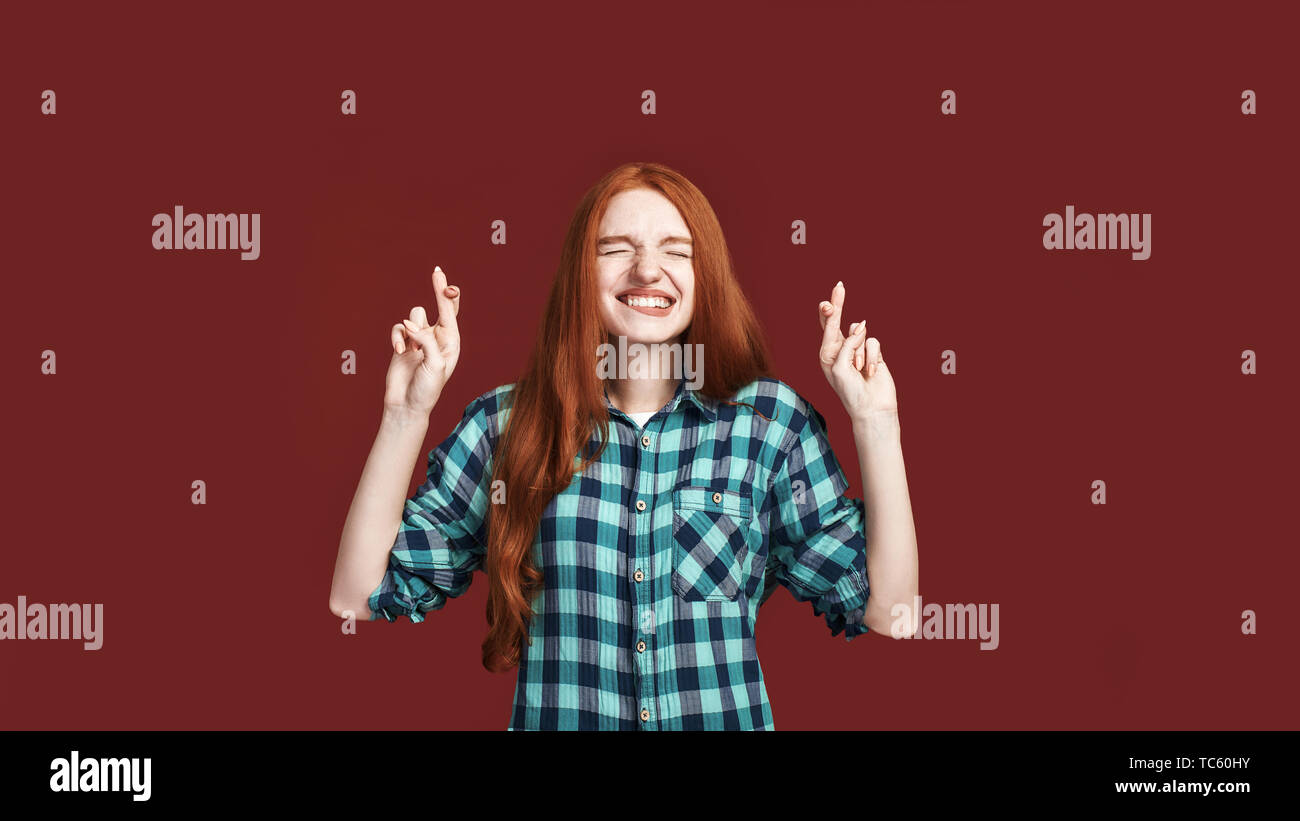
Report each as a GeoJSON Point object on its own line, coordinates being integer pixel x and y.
{"type": "Point", "coordinates": [655, 558]}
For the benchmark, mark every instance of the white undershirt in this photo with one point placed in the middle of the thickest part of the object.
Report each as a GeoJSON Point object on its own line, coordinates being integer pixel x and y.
{"type": "Point", "coordinates": [641, 418]}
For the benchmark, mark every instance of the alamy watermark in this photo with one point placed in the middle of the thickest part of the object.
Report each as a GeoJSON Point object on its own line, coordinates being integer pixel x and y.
{"type": "Point", "coordinates": [76, 774]}
{"type": "Point", "coordinates": [654, 360]}
{"type": "Point", "coordinates": [83, 622]}
{"type": "Point", "coordinates": [208, 232]}
{"type": "Point", "coordinates": [946, 621]}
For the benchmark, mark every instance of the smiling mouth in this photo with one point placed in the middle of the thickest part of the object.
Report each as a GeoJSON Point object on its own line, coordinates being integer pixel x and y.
{"type": "Point", "coordinates": [649, 305]}
{"type": "Point", "coordinates": [646, 301]}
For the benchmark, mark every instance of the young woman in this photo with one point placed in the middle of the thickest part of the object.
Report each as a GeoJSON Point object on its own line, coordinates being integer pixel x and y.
{"type": "Point", "coordinates": [631, 520]}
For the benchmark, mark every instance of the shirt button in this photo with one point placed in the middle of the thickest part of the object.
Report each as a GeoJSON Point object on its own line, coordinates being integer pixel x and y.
{"type": "Point", "coordinates": [638, 576]}
{"type": "Point", "coordinates": [717, 498]}
{"type": "Point", "coordinates": [640, 504]}
{"type": "Point", "coordinates": [645, 714]}
{"type": "Point", "coordinates": [640, 646]}
{"type": "Point", "coordinates": [645, 440]}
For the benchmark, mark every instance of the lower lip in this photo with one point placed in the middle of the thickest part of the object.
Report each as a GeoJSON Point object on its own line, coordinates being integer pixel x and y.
{"type": "Point", "coordinates": [647, 310]}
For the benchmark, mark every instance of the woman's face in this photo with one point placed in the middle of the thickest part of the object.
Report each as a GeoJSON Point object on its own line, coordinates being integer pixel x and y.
{"type": "Point", "coordinates": [644, 268]}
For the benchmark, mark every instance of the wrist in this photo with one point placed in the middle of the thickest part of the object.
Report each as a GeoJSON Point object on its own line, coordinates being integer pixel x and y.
{"type": "Point", "coordinates": [404, 417]}
{"type": "Point", "coordinates": [877, 425]}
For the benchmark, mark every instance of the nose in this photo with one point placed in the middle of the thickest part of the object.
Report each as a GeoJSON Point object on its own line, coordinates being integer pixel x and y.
{"type": "Point", "coordinates": [645, 267]}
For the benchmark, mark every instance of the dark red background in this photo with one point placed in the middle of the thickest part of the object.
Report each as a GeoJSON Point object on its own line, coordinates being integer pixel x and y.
{"type": "Point", "coordinates": [1072, 366]}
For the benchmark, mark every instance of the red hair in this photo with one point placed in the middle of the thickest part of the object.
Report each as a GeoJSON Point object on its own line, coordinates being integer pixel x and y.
{"type": "Point", "coordinates": [558, 402]}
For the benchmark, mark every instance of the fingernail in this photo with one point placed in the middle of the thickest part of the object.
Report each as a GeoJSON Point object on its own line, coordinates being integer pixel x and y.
{"type": "Point", "coordinates": [437, 269]}
{"type": "Point", "coordinates": [839, 284]}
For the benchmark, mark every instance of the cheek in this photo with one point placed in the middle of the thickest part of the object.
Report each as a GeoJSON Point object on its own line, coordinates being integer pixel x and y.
{"type": "Point", "coordinates": [607, 315]}
{"type": "Point", "coordinates": [688, 298]}
{"type": "Point", "coordinates": [685, 286]}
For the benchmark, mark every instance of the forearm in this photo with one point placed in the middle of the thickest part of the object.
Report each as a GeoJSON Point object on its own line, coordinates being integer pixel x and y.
{"type": "Point", "coordinates": [892, 561]}
{"type": "Point", "coordinates": [376, 512]}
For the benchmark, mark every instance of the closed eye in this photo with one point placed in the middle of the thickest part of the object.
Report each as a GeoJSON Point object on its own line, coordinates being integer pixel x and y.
{"type": "Point", "coordinates": [624, 251]}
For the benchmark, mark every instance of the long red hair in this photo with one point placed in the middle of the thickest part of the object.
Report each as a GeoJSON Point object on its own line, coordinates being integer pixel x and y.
{"type": "Point", "coordinates": [558, 402]}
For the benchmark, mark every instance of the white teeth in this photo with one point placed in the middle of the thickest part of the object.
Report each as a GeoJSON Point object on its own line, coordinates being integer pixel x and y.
{"type": "Point", "coordinates": [647, 301]}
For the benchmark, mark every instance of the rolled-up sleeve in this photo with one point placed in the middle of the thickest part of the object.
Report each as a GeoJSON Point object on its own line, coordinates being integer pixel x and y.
{"type": "Point", "coordinates": [817, 547]}
{"type": "Point", "coordinates": [442, 538]}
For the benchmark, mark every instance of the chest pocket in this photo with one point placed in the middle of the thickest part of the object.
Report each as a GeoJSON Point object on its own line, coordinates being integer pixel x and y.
{"type": "Point", "coordinates": [710, 528]}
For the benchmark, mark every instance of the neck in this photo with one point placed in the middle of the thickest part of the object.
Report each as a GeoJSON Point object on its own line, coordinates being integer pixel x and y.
{"type": "Point", "coordinates": [644, 393]}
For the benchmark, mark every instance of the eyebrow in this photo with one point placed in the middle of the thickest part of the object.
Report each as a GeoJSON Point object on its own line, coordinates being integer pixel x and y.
{"type": "Point", "coordinates": [610, 240]}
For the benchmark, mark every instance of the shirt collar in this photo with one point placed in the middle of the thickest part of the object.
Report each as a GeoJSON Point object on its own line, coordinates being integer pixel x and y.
{"type": "Point", "coordinates": [707, 405]}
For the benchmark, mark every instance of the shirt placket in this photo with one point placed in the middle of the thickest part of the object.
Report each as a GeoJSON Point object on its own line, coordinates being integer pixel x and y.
{"type": "Point", "coordinates": [641, 555]}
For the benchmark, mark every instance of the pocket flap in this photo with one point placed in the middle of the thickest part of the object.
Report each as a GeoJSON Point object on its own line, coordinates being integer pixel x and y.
{"type": "Point", "coordinates": [714, 500]}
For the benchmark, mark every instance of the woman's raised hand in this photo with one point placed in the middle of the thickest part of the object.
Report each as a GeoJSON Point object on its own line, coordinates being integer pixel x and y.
{"type": "Point", "coordinates": [853, 364]}
{"type": "Point", "coordinates": [424, 355]}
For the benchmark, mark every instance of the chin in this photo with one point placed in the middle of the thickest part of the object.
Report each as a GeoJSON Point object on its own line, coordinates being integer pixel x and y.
{"type": "Point", "coordinates": [649, 334]}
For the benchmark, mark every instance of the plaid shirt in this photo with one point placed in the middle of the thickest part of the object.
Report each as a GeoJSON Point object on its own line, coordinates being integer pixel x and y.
{"type": "Point", "coordinates": [655, 559]}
